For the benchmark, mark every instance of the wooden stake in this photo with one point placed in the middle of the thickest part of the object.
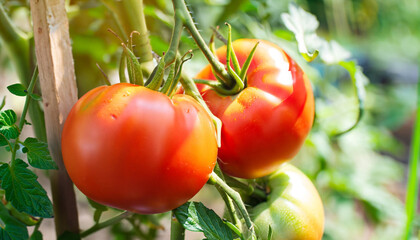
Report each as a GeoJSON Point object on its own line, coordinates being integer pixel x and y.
{"type": "Point", "coordinates": [59, 93]}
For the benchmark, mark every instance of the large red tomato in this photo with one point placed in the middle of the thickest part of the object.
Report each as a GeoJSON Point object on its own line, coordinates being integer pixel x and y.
{"type": "Point", "coordinates": [266, 123]}
{"type": "Point", "coordinates": [132, 148]}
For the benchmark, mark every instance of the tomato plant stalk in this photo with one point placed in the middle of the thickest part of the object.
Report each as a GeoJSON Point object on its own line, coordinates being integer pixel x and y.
{"type": "Point", "coordinates": [107, 223]}
{"type": "Point", "coordinates": [24, 112]}
{"type": "Point", "coordinates": [230, 207]}
{"type": "Point", "coordinates": [182, 10]}
{"type": "Point", "coordinates": [236, 197]}
{"type": "Point", "coordinates": [131, 17]}
{"type": "Point", "coordinates": [177, 230]}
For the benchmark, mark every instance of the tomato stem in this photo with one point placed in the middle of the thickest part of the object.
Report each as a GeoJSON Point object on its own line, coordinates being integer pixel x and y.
{"type": "Point", "coordinates": [236, 197]}
{"type": "Point", "coordinates": [228, 201]}
{"type": "Point", "coordinates": [28, 98]}
{"type": "Point", "coordinates": [172, 52]}
{"type": "Point", "coordinates": [219, 87]}
{"type": "Point", "coordinates": [181, 8]}
{"type": "Point", "coordinates": [24, 111]}
{"type": "Point", "coordinates": [177, 230]}
{"type": "Point", "coordinates": [107, 223]}
{"type": "Point", "coordinates": [249, 189]}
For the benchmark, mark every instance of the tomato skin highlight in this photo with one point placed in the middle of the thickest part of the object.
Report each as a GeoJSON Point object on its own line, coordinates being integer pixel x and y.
{"type": "Point", "coordinates": [132, 148]}
{"type": "Point", "coordinates": [293, 208]}
{"type": "Point", "coordinates": [266, 123]}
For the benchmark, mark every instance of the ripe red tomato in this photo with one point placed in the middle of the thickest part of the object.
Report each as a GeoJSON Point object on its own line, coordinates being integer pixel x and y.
{"type": "Point", "coordinates": [132, 148]}
{"type": "Point", "coordinates": [266, 123]}
{"type": "Point", "coordinates": [293, 208]}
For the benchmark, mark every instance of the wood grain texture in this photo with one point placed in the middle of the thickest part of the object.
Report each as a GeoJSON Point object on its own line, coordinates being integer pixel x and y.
{"type": "Point", "coordinates": [59, 93]}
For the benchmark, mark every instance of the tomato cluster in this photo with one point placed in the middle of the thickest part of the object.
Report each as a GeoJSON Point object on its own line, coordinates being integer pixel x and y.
{"type": "Point", "coordinates": [132, 148]}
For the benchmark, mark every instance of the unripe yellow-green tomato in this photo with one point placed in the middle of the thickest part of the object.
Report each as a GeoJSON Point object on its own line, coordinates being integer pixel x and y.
{"type": "Point", "coordinates": [293, 208]}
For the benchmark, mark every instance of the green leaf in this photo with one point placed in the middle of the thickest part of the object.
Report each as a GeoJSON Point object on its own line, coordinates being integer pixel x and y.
{"type": "Point", "coordinates": [38, 154]}
{"type": "Point", "coordinates": [303, 25]}
{"type": "Point", "coordinates": [18, 90]}
{"type": "Point", "coordinates": [8, 128]}
{"type": "Point", "coordinates": [3, 170]}
{"type": "Point", "coordinates": [194, 216]}
{"type": "Point", "coordinates": [3, 102]}
{"type": "Point", "coordinates": [270, 233]}
{"type": "Point", "coordinates": [24, 191]}
{"type": "Point", "coordinates": [11, 229]}
{"type": "Point", "coordinates": [359, 82]}
{"type": "Point", "coordinates": [3, 141]}
{"type": "Point", "coordinates": [35, 97]}
{"type": "Point", "coordinates": [37, 235]}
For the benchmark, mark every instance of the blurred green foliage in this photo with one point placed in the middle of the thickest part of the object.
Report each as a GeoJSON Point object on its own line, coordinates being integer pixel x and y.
{"type": "Point", "coordinates": [360, 175]}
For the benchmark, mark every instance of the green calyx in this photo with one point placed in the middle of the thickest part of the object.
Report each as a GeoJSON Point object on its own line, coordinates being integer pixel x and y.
{"type": "Point", "coordinates": [237, 80]}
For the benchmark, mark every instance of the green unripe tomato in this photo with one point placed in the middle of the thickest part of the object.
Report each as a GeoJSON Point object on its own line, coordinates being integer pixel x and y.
{"type": "Point", "coordinates": [293, 208]}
